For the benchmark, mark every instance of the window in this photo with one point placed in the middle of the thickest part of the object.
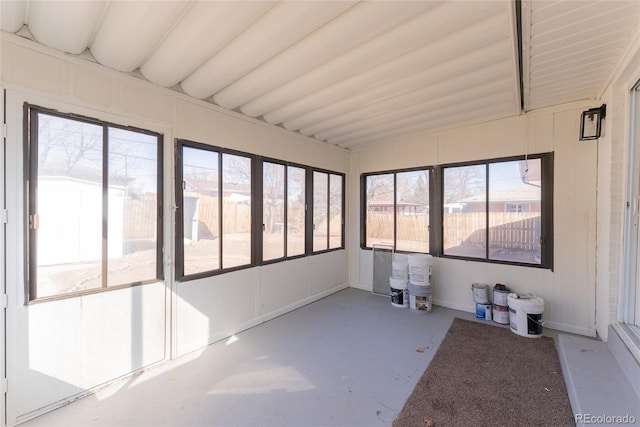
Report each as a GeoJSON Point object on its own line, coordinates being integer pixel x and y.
{"type": "Point", "coordinates": [517, 207]}
{"type": "Point", "coordinates": [396, 210]}
{"type": "Point", "coordinates": [328, 208]}
{"type": "Point", "coordinates": [215, 201]}
{"type": "Point", "coordinates": [283, 210]}
{"type": "Point", "coordinates": [495, 210]}
{"type": "Point", "coordinates": [273, 210]}
{"type": "Point", "coordinates": [94, 204]}
{"type": "Point", "coordinates": [296, 210]}
{"type": "Point", "coordinates": [499, 210]}
{"type": "Point", "coordinates": [222, 228]}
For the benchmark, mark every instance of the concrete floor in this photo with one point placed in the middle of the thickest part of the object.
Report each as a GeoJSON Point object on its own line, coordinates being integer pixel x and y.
{"type": "Point", "coordinates": [349, 359]}
{"type": "Point", "coordinates": [328, 363]}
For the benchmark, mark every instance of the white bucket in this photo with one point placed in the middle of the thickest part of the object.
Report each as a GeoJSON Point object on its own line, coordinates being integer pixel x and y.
{"type": "Point", "coordinates": [501, 314]}
{"type": "Point", "coordinates": [525, 315]}
{"type": "Point", "coordinates": [483, 311]}
{"type": "Point", "coordinates": [480, 293]}
{"type": "Point", "coordinates": [399, 294]}
{"type": "Point", "coordinates": [400, 270]}
{"type": "Point", "coordinates": [420, 299]}
{"type": "Point", "coordinates": [420, 269]}
{"type": "Point", "coordinates": [501, 297]}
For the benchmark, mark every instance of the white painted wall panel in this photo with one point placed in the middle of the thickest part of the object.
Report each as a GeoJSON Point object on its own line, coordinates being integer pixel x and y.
{"type": "Point", "coordinates": [283, 285]}
{"type": "Point", "coordinates": [94, 86]}
{"type": "Point", "coordinates": [211, 308]}
{"type": "Point", "coordinates": [327, 271]}
{"type": "Point", "coordinates": [32, 70]}
{"type": "Point", "coordinates": [568, 290]}
{"type": "Point", "coordinates": [100, 337]}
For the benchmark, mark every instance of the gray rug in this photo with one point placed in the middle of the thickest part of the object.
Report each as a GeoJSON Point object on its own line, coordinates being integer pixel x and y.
{"type": "Point", "coordinates": [484, 375]}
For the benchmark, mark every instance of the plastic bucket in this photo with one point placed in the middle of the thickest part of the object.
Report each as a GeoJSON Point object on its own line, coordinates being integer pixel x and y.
{"type": "Point", "coordinates": [400, 270]}
{"type": "Point", "coordinates": [420, 299]}
{"type": "Point", "coordinates": [419, 269]}
{"type": "Point", "coordinates": [501, 314]}
{"type": "Point", "coordinates": [525, 315]}
{"type": "Point", "coordinates": [501, 297]}
{"type": "Point", "coordinates": [399, 294]}
{"type": "Point", "coordinates": [483, 311]}
{"type": "Point", "coordinates": [480, 293]}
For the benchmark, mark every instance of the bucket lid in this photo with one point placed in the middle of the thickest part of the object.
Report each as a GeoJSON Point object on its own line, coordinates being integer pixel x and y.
{"type": "Point", "coordinates": [526, 301]}
{"type": "Point", "coordinates": [396, 283]}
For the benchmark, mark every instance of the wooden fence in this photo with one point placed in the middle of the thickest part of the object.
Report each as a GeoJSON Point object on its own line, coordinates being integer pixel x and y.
{"type": "Point", "coordinates": [409, 227]}
{"type": "Point", "coordinates": [509, 230]}
{"type": "Point", "coordinates": [513, 230]}
{"type": "Point", "coordinates": [140, 218]}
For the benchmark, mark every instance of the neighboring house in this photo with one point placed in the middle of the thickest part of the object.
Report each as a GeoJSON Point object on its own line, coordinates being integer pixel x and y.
{"type": "Point", "coordinates": [523, 198]}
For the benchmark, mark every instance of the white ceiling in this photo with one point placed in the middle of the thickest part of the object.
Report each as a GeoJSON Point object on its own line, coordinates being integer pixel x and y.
{"type": "Point", "coordinates": [350, 73]}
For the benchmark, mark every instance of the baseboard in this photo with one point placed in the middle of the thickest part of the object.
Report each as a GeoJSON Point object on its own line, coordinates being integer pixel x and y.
{"type": "Point", "coordinates": [563, 327]}
{"type": "Point", "coordinates": [362, 287]}
{"type": "Point", "coordinates": [454, 305]}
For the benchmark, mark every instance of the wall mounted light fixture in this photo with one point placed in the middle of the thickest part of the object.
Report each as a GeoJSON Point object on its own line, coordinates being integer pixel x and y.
{"type": "Point", "coordinates": [591, 123]}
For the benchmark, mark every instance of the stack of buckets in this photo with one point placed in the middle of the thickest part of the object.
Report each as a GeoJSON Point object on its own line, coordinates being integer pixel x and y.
{"type": "Point", "coordinates": [481, 298]}
{"type": "Point", "coordinates": [420, 292]}
{"type": "Point", "coordinates": [501, 304]}
{"type": "Point", "coordinates": [398, 284]}
{"type": "Point", "coordinates": [499, 310]}
{"type": "Point", "coordinates": [522, 312]}
{"type": "Point", "coordinates": [410, 283]}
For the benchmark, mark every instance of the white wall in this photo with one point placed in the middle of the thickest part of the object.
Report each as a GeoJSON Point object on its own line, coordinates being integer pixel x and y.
{"type": "Point", "coordinates": [613, 160]}
{"type": "Point", "coordinates": [58, 350]}
{"type": "Point", "coordinates": [568, 290]}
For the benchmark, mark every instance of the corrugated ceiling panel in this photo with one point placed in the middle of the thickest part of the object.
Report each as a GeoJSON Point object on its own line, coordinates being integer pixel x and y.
{"type": "Point", "coordinates": [388, 98]}
{"type": "Point", "coordinates": [12, 15]}
{"type": "Point", "coordinates": [350, 73]}
{"type": "Point", "coordinates": [431, 67]}
{"type": "Point", "coordinates": [68, 26]}
{"type": "Point", "coordinates": [285, 24]}
{"type": "Point", "coordinates": [424, 30]}
{"type": "Point", "coordinates": [356, 26]}
{"type": "Point", "coordinates": [145, 22]}
{"type": "Point", "coordinates": [201, 33]}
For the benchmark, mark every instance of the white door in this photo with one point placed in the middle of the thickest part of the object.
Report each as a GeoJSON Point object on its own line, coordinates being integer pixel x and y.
{"type": "Point", "coordinates": [634, 303]}
{"type": "Point", "coordinates": [60, 348]}
{"type": "Point", "coordinates": [631, 290]}
{"type": "Point", "coordinates": [3, 283]}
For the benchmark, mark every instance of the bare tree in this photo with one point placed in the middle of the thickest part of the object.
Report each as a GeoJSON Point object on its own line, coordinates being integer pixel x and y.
{"type": "Point", "coordinates": [462, 182]}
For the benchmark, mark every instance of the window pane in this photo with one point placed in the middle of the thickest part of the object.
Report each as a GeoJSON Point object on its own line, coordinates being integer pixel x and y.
{"type": "Point", "coordinates": [132, 203]}
{"type": "Point", "coordinates": [335, 211]}
{"type": "Point", "coordinates": [69, 205]}
{"type": "Point", "coordinates": [200, 210]}
{"type": "Point", "coordinates": [295, 211]}
{"type": "Point", "coordinates": [273, 210]}
{"type": "Point", "coordinates": [320, 218]}
{"type": "Point", "coordinates": [236, 210]}
{"type": "Point", "coordinates": [380, 209]}
{"type": "Point", "coordinates": [412, 211]}
{"type": "Point", "coordinates": [515, 211]}
{"type": "Point", "coordinates": [464, 211]}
